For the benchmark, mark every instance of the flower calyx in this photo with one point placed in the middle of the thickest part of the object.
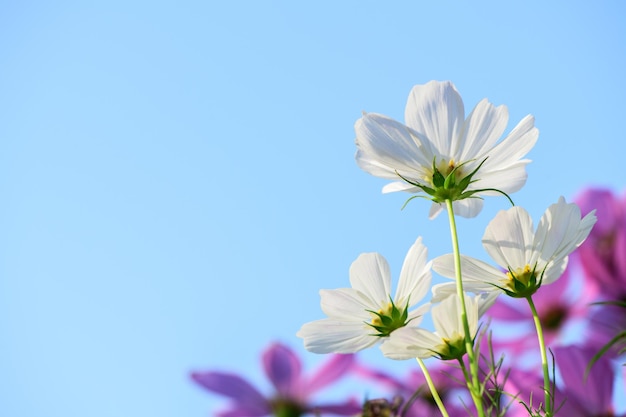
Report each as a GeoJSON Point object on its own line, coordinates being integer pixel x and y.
{"type": "Point", "coordinates": [523, 282]}
{"type": "Point", "coordinates": [388, 319]}
{"type": "Point", "coordinates": [452, 348]}
{"type": "Point", "coordinates": [284, 407]}
{"type": "Point", "coordinates": [449, 183]}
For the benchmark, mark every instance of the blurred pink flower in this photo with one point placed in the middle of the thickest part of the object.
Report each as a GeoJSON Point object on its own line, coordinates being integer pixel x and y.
{"type": "Point", "coordinates": [582, 394]}
{"type": "Point", "coordinates": [606, 322]}
{"type": "Point", "coordinates": [293, 390]}
{"type": "Point", "coordinates": [525, 388]}
{"type": "Point", "coordinates": [603, 254]}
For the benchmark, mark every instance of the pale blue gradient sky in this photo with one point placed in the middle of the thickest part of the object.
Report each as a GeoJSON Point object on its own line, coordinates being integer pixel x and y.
{"type": "Point", "coordinates": [178, 178]}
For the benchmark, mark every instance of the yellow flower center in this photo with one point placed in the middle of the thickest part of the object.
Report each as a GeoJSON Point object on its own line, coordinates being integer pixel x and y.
{"type": "Point", "coordinates": [445, 168]}
{"type": "Point", "coordinates": [452, 348]}
{"type": "Point", "coordinates": [522, 275]}
{"type": "Point", "coordinates": [521, 282]}
{"type": "Point", "coordinates": [385, 311]}
{"type": "Point", "coordinates": [388, 318]}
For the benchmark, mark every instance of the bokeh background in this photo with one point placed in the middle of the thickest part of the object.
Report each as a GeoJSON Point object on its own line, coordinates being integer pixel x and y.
{"type": "Point", "coordinates": [177, 179]}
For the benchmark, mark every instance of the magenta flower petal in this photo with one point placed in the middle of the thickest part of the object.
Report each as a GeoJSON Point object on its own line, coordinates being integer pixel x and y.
{"type": "Point", "coordinates": [606, 205]}
{"type": "Point", "coordinates": [333, 369]}
{"type": "Point", "coordinates": [602, 255]}
{"type": "Point", "coordinates": [606, 322]}
{"type": "Point", "coordinates": [234, 387]}
{"type": "Point", "coordinates": [503, 309]}
{"type": "Point", "coordinates": [283, 368]}
{"type": "Point", "coordinates": [620, 250]}
{"type": "Point", "coordinates": [243, 411]}
{"type": "Point", "coordinates": [592, 392]}
{"type": "Point", "coordinates": [527, 387]}
{"type": "Point", "coordinates": [382, 378]}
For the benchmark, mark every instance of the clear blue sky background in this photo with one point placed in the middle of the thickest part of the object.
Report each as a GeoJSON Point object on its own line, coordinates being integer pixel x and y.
{"type": "Point", "coordinates": [178, 181]}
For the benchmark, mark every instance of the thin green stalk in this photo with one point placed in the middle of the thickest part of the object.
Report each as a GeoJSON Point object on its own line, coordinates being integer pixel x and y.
{"type": "Point", "coordinates": [474, 383]}
{"type": "Point", "coordinates": [433, 389]}
{"type": "Point", "coordinates": [544, 358]}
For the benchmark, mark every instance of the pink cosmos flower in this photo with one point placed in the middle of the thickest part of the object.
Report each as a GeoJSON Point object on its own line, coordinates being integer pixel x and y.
{"type": "Point", "coordinates": [525, 388]}
{"type": "Point", "coordinates": [293, 390]}
{"type": "Point", "coordinates": [607, 324]}
{"type": "Point", "coordinates": [578, 394]}
{"type": "Point", "coordinates": [584, 395]}
{"type": "Point", "coordinates": [602, 255]}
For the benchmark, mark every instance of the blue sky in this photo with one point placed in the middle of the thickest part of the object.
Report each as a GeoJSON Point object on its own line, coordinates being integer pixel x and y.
{"type": "Point", "coordinates": [178, 178]}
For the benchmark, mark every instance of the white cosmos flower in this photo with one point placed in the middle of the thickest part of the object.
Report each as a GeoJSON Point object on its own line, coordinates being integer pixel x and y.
{"type": "Point", "coordinates": [448, 340]}
{"type": "Point", "coordinates": [529, 258]}
{"type": "Point", "coordinates": [438, 141]}
{"type": "Point", "coordinates": [365, 314]}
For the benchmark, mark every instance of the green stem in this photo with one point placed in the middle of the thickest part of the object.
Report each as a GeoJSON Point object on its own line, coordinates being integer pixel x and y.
{"type": "Point", "coordinates": [433, 389]}
{"type": "Point", "coordinates": [544, 358]}
{"type": "Point", "coordinates": [474, 383]}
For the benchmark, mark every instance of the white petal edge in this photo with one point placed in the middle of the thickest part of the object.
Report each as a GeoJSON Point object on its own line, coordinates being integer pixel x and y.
{"type": "Point", "coordinates": [415, 276]}
{"type": "Point", "coordinates": [332, 336]}
{"type": "Point", "coordinates": [370, 274]}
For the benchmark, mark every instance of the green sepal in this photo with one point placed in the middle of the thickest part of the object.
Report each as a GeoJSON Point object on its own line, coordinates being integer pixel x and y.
{"type": "Point", "coordinates": [446, 187]}
{"type": "Point", "coordinates": [438, 179]}
{"type": "Point", "coordinates": [388, 323]}
{"type": "Point", "coordinates": [465, 182]}
{"type": "Point", "coordinates": [523, 289]}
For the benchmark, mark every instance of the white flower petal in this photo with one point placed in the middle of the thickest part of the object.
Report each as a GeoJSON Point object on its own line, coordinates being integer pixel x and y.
{"type": "Point", "coordinates": [447, 318]}
{"type": "Point", "coordinates": [435, 209]}
{"type": "Point", "coordinates": [468, 208]}
{"type": "Point", "coordinates": [415, 276]}
{"type": "Point", "coordinates": [346, 304]}
{"type": "Point", "coordinates": [390, 143]}
{"type": "Point", "coordinates": [482, 129]}
{"type": "Point", "coordinates": [508, 238]}
{"type": "Point", "coordinates": [561, 230]}
{"type": "Point", "coordinates": [400, 186]}
{"type": "Point", "coordinates": [332, 336]}
{"type": "Point", "coordinates": [370, 275]}
{"type": "Point", "coordinates": [485, 300]}
{"type": "Point", "coordinates": [472, 270]}
{"type": "Point", "coordinates": [409, 343]}
{"type": "Point", "coordinates": [371, 165]}
{"type": "Point", "coordinates": [415, 316]}
{"type": "Point", "coordinates": [509, 179]}
{"type": "Point", "coordinates": [436, 110]}
{"type": "Point", "coordinates": [515, 146]}
{"type": "Point", "coordinates": [554, 270]}
{"type": "Point", "coordinates": [443, 291]}
{"type": "Point", "coordinates": [446, 289]}
{"type": "Point", "coordinates": [444, 266]}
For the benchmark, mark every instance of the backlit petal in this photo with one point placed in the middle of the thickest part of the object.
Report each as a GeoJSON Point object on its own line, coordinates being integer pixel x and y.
{"type": "Point", "coordinates": [346, 304]}
{"type": "Point", "coordinates": [409, 343]}
{"type": "Point", "coordinates": [508, 238]}
{"type": "Point", "coordinates": [370, 275]}
{"type": "Point", "coordinates": [436, 110]}
{"type": "Point", "coordinates": [332, 336]}
{"type": "Point", "coordinates": [415, 276]}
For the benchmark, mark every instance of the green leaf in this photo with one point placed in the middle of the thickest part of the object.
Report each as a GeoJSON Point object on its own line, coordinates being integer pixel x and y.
{"type": "Point", "coordinates": [605, 348]}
